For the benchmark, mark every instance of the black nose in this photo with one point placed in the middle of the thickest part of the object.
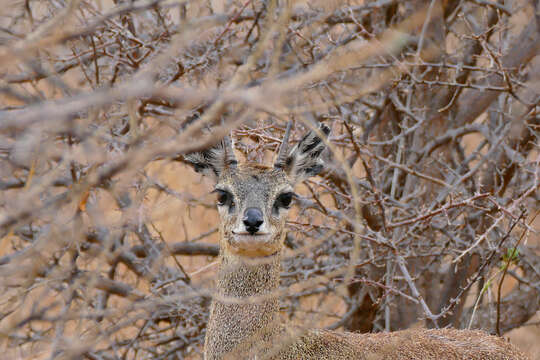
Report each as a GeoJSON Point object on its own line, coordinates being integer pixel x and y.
{"type": "Point", "coordinates": [253, 218]}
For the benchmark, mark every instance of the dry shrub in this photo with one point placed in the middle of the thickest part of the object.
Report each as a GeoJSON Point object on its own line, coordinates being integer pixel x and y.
{"type": "Point", "coordinates": [426, 214]}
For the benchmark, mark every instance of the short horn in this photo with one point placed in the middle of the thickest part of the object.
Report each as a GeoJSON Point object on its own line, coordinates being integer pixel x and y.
{"type": "Point", "coordinates": [283, 149]}
{"type": "Point", "coordinates": [230, 158]}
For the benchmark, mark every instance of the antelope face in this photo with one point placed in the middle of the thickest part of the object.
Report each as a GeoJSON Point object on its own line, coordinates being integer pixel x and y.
{"type": "Point", "coordinates": [253, 200]}
{"type": "Point", "coordinates": [253, 204]}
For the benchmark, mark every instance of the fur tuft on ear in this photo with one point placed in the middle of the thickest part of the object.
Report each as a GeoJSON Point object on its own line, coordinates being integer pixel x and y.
{"type": "Point", "coordinates": [214, 160]}
{"type": "Point", "coordinates": [304, 160]}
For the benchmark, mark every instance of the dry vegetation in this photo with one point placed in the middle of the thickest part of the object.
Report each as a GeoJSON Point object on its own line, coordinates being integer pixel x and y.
{"type": "Point", "coordinates": [426, 214]}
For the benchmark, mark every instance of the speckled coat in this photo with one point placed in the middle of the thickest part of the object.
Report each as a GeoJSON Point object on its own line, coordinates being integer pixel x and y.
{"type": "Point", "coordinates": [246, 326]}
{"type": "Point", "coordinates": [244, 320]}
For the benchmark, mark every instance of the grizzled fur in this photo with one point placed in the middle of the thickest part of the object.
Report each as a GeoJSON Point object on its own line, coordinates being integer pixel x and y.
{"type": "Point", "coordinates": [244, 317]}
{"type": "Point", "coordinates": [253, 186]}
{"type": "Point", "coordinates": [412, 344]}
{"type": "Point", "coordinates": [304, 159]}
{"type": "Point", "coordinates": [213, 160]}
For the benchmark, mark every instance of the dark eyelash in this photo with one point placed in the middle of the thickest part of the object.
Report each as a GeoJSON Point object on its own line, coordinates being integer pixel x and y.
{"type": "Point", "coordinates": [284, 200]}
{"type": "Point", "coordinates": [224, 198]}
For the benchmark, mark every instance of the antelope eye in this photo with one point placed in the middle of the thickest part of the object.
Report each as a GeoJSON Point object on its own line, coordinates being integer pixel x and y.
{"type": "Point", "coordinates": [284, 200]}
{"type": "Point", "coordinates": [224, 198]}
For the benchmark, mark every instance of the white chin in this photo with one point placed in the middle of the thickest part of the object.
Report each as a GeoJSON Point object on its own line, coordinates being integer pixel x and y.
{"type": "Point", "coordinates": [257, 243]}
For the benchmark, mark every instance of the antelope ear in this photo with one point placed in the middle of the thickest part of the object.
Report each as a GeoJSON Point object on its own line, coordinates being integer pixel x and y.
{"type": "Point", "coordinates": [304, 160]}
{"type": "Point", "coordinates": [213, 161]}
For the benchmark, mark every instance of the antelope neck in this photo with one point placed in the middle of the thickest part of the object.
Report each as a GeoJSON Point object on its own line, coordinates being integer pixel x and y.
{"type": "Point", "coordinates": [239, 327]}
{"type": "Point", "coordinates": [239, 277]}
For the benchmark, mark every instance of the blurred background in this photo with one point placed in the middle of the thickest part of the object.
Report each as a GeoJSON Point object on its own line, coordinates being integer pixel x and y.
{"type": "Point", "coordinates": [109, 241]}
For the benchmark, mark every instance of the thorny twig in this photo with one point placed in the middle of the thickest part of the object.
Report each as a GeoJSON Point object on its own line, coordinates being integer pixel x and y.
{"type": "Point", "coordinates": [100, 103]}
